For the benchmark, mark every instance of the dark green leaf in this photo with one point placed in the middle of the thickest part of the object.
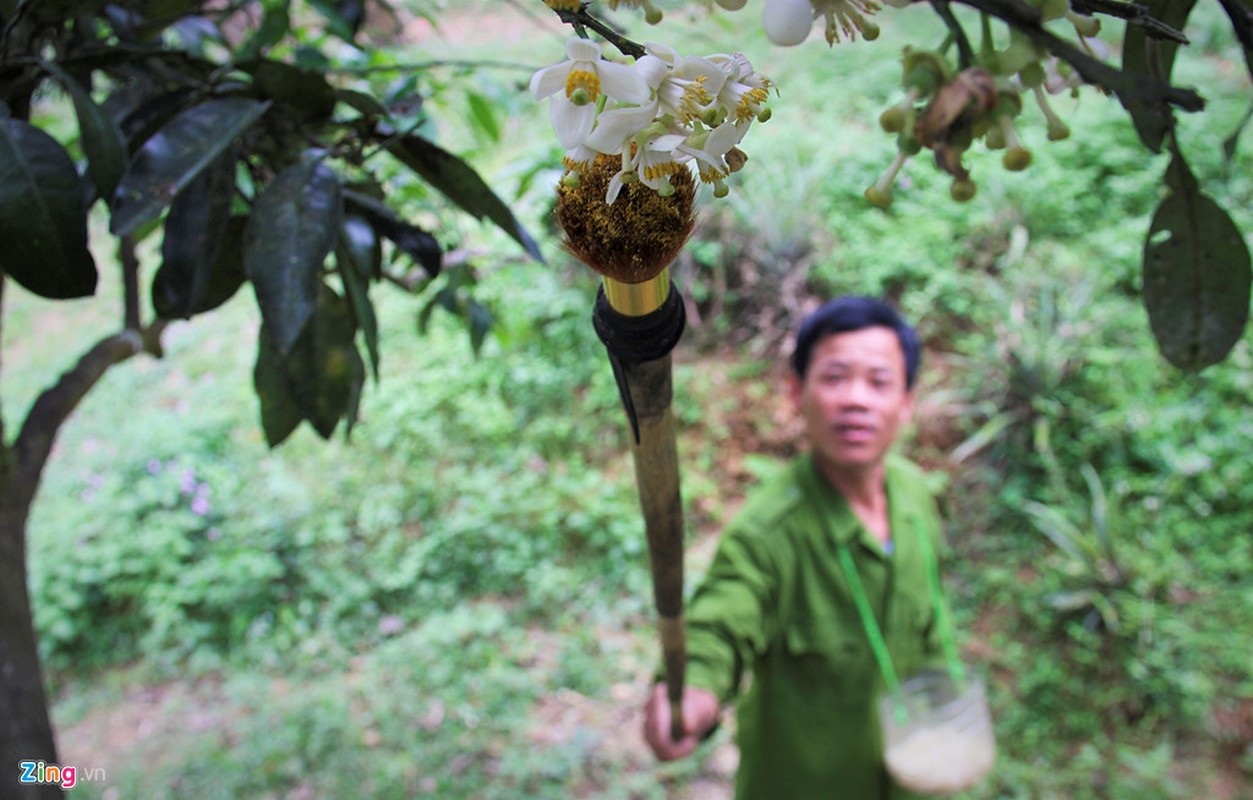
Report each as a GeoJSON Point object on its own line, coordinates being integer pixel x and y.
{"type": "Point", "coordinates": [301, 89]}
{"type": "Point", "coordinates": [480, 323]}
{"type": "Point", "coordinates": [358, 256]}
{"type": "Point", "coordinates": [411, 240]}
{"type": "Point", "coordinates": [1145, 55]}
{"type": "Point", "coordinates": [175, 155]}
{"type": "Point", "coordinates": [441, 299]}
{"type": "Point", "coordinates": [43, 215]}
{"type": "Point", "coordinates": [140, 114]}
{"type": "Point", "coordinates": [344, 17]}
{"type": "Point", "coordinates": [273, 28]}
{"type": "Point", "coordinates": [195, 233]}
{"type": "Point", "coordinates": [484, 115]}
{"type": "Point", "coordinates": [294, 224]}
{"type": "Point", "coordinates": [1241, 14]}
{"type": "Point", "coordinates": [100, 136]}
{"type": "Point", "coordinates": [460, 183]}
{"type": "Point", "coordinates": [1197, 276]}
{"type": "Point", "coordinates": [366, 104]}
{"type": "Point", "coordinates": [280, 413]}
{"type": "Point", "coordinates": [324, 369]}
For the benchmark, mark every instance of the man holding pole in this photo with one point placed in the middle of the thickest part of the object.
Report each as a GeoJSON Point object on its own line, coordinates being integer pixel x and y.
{"type": "Point", "coordinates": [844, 526]}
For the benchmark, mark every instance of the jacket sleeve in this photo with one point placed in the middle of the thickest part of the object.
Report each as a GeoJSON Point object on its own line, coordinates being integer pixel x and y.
{"type": "Point", "coordinates": [734, 614]}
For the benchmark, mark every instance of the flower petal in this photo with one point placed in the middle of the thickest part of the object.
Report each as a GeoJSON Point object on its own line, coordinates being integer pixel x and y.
{"type": "Point", "coordinates": [622, 82]}
{"type": "Point", "coordinates": [550, 80]}
{"type": "Point", "coordinates": [572, 123]}
{"type": "Point", "coordinates": [615, 126]}
{"type": "Point", "coordinates": [582, 50]}
{"type": "Point", "coordinates": [653, 70]}
{"type": "Point", "coordinates": [615, 186]}
{"type": "Point", "coordinates": [663, 51]}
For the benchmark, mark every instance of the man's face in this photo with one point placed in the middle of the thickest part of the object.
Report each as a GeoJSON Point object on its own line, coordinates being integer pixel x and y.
{"type": "Point", "coordinates": [853, 397]}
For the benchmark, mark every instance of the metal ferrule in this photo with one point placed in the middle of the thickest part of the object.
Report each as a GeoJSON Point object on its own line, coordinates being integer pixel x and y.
{"type": "Point", "coordinates": [638, 299]}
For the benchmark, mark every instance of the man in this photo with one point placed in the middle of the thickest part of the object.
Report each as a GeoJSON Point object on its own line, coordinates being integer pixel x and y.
{"type": "Point", "coordinates": [777, 602]}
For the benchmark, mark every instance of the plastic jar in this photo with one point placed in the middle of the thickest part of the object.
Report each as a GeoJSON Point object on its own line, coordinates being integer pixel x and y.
{"type": "Point", "coordinates": [937, 734]}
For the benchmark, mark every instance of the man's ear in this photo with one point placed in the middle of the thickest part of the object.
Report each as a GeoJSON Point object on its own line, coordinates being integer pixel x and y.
{"type": "Point", "coordinates": [907, 408]}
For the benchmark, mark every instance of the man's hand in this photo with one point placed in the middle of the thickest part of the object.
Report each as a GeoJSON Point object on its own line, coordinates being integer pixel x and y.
{"type": "Point", "coordinates": [700, 714]}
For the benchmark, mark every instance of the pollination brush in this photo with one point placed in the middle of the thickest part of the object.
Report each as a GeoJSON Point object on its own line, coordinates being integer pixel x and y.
{"type": "Point", "coordinates": [639, 316]}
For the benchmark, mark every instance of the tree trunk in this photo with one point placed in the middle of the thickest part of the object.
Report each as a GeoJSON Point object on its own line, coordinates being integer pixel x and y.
{"type": "Point", "coordinates": [25, 727]}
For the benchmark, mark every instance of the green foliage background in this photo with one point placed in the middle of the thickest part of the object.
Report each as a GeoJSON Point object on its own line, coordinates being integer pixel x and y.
{"type": "Point", "coordinates": [474, 549]}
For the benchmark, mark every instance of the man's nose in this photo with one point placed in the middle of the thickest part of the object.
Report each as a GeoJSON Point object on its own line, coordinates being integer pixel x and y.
{"type": "Point", "coordinates": [855, 393]}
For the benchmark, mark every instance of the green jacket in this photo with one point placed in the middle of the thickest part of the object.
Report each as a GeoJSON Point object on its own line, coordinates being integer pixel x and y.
{"type": "Point", "coordinates": [776, 603]}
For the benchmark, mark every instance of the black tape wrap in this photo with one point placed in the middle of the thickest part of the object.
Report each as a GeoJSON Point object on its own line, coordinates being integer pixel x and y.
{"type": "Point", "coordinates": [638, 340]}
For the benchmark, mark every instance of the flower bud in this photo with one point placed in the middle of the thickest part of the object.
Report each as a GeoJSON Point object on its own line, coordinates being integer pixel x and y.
{"type": "Point", "coordinates": [963, 190]}
{"type": "Point", "coordinates": [731, 5]}
{"type": "Point", "coordinates": [787, 22]}
{"type": "Point", "coordinates": [1032, 75]}
{"type": "Point", "coordinates": [894, 120]}
{"type": "Point", "coordinates": [924, 71]}
{"type": "Point", "coordinates": [878, 197]}
{"type": "Point", "coordinates": [1016, 159]}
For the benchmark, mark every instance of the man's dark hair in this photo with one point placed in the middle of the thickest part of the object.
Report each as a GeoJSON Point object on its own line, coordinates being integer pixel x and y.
{"type": "Point", "coordinates": [845, 314]}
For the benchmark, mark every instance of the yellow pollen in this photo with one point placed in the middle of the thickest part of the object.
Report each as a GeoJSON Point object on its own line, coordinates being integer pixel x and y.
{"type": "Point", "coordinates": [575, 164]}
{"type": "Point", "coordinates": [585, 80]}
{"type": "Point", "coordinates": [747, 107]}
{"type": "Point", "coordinates": [710, 174]}
{"type": "Point", "coordinates": [654, 171]}
{"type": "Point", "coordinates": [695, 99]}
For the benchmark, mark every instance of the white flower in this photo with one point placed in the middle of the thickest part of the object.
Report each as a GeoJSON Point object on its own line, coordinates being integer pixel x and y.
{"type": "Point", "coordinates": [615, 127]}
{"type": "Point", "coordinates": [745, 92]}
{"type": "Point", "coordinates": [683, 87]}
{"type": "Point", "coordinates": [584, 76]}
{"type": "Point", "coordinates": [651, 160]}
{"type": "Point", "coordinates": [709, 149]}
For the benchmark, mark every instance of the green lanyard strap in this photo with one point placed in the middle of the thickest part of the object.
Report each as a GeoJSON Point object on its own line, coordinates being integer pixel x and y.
{"type": "Point", "coordinates": [877, 643]}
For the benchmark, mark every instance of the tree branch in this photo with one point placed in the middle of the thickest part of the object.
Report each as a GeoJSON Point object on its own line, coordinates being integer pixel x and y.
{"type": "Point", "coordinates": [1134, 14]}
{"type": "Point", "coordinates": [965, 54]}
{"type": "Point", "coordinates": [1133, 90]}
{"type": "Point", "coordinates": [582, 18]}
{"type": "Point", "coordinates": [436, 63]}
{"type": "Point", "coordinates": [130, 282]}
{"type": "Point", "coordinates": [55, 404]}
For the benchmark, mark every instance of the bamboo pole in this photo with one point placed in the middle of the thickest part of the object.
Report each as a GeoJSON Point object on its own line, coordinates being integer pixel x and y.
{"type": "Point", "coordinates": [647, 394]}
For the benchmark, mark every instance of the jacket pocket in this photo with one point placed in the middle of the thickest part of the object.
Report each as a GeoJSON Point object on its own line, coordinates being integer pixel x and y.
{"type": "Point", "coordinates": [833, 660]}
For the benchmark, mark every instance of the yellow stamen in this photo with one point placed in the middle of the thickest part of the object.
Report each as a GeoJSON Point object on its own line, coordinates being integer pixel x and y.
{"type": "Point", "coordinates": [583, 79]}
{"type": "Point", "coordinates": [654, 171]}
{"type": "Point", "coordinates": [747, 107]}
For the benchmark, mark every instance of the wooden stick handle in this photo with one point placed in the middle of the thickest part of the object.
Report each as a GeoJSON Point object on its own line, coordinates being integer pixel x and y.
{"type": "Point", "coordinates": [657, 480]}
